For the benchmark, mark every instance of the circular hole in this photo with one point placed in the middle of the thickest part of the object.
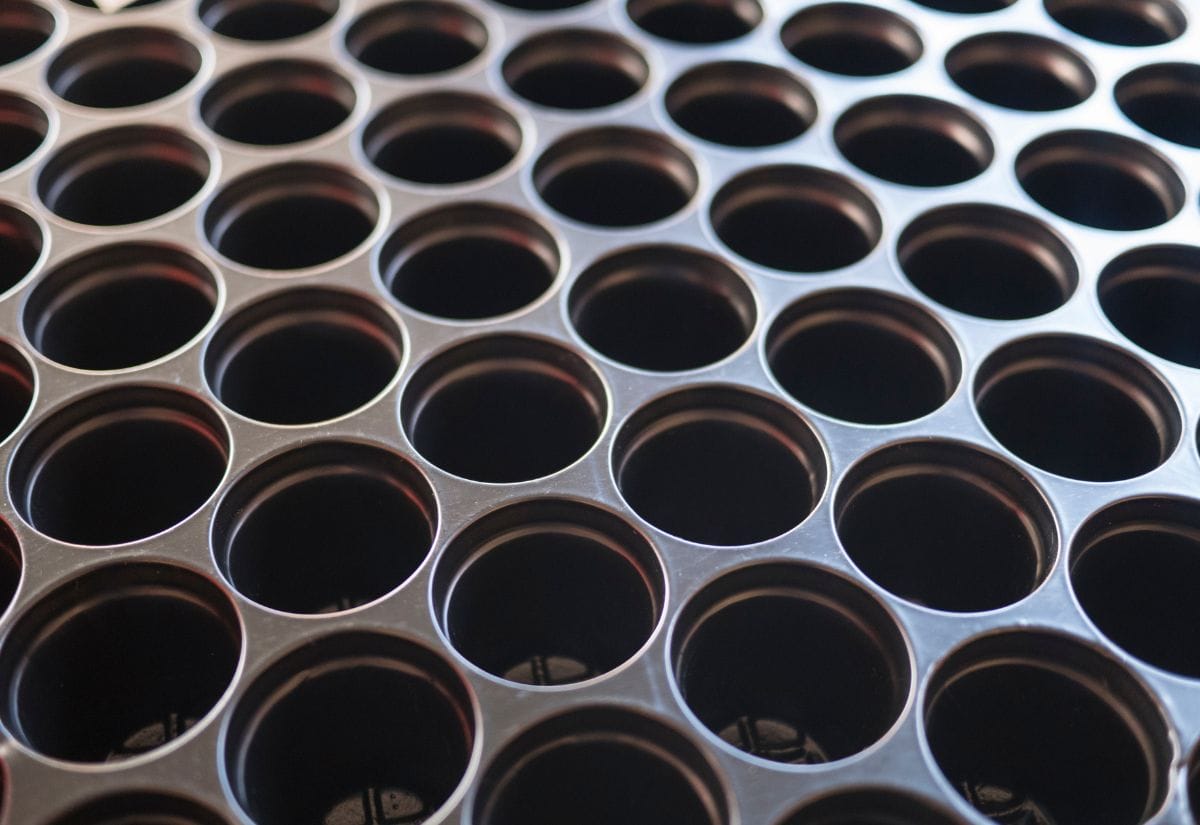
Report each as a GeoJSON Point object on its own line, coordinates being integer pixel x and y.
{"type": "Point", "coordinates": [1121, 22]}
{"type": "Point", "coordinates": [965, 6]}
{"type": "Point", "coordinates": [11, 565]}
{"type": "Point", "coordinates": [17, 381]}
{"type": "Point", "coordinates": [277, 102]}
{"type": "Point", "coordinates": [914, 141]}
{"type": "Point", "coordinates": [662, 308]}
{"type": "Point", "coordinates": [720, 466]}
{"type": "Point", "coordinates": [399, 719]}
{"type": "Point", "coordinates": [120, 465]}
{"type": "Point", "coordinates": [1020, 71]}
{"type": "Point", "coordinates": [1101, 180]}
{"type": "Point", "coordinates": [852, 39]}
{"type": "Point", "coordinates": [741, 104]}
{"type": "Point", "coordinates": [615, 176]}
{"type": "Point", "coordinates": [442, 138]}
{"type": "Point", "coordinates": [870, 806]}
{"type": "Point", "coordinates": [541, 5]}
{"type": "Point", "coordinates": [987, 261]}
{"type": "Point", "coordinates": [826, 680]}
{"type": "Point", "coordinates": [120, 306]}
{"type": "Point", "coordinates": [469, 262]}
{"type": "Point", "coordinates": [1131, 568]}
{"type": "Point", "coordinates": [549, 592]}
{"type": "Point", "coordinates": [1164, 99]}
{"type": "Point", "coordinates": [796, 218]}
{"type": "Point", "coordinates": [303, 356]}
{"type": "Point", "coordinates": [152, 644]}
{"type": "Point", "coordinates": [23, 129]}
{"type": "Point", "coordinates": [291, 216]}
{"type": "Point", "coordinates": [1030, 724]}
{"type": "Point", "coordinates": [946, 526]}
{"type": "Point", "coordinates": [24, 28]}
{"type": "Point", "coordinates": [575, 69]}
{"type": "Point", "coordinates": [1152, 295]}
{"type": "Point", "coordinates": [124, 175]}
{"type": "Point", "coordinates": [504, 408]}
{"type": "Point", "coordinates": [1077, 407]}
{"type": "Point", "coordinates": [416, 37]}
{"type": "Point", "coordinates": [863, 356]}
{"type": "Point", "coordinates": [21, 244]}
{"type": "Point", "coordinates": [121, 67]}
{"type": "Point", "coordinates": [696, 21]}
{"type": "Point", "coordinates": [140, 808]}
{"type": "Point", "coordinates": [326, 527]}
{"type": "Point", "coordinates": [263, 20]}
{"type": "Point", "coordinates": [627, 767]}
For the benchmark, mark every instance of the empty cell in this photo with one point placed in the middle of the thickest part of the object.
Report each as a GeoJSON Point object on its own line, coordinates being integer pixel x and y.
{"type": "Point", "coordinates": [416, 37]}
{"type": "Point", "coordinates": [265, 20]}
{"type": "Point", "coordinates": [1164, 99]}
{"type": "Point", "coordinates": [24, 28]}
{"type": "Point", "coordinates": [277, 102]}
{"type": "Point", "coordinates": [696, 22]}
{"type": "Point", "coordinates": [23, 129]}
{"type": "Point", "coordinates": [575, 69]}
{"type": "Point", "coordinates": [1021, 71]}
{"type": "Point", "coordinates": [121, 67]}
{"type": "Point", "coordinates": [852, 39]}
{"type": "Point", "coordinates": [1121, 22]}
{"type": "Point", "coordinates": [1152, 294]}
{"type": "Point", "coordinates": [741, 104]}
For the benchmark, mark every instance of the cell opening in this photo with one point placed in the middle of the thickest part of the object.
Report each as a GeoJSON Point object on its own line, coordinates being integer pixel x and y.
{"type": "Point", "coordinates": [828, 680]}
{"type": "Point", "coordinates": [852, 39]}
{"type": "Point", "coordinates": [946, 526]}
{"type": "Point", "coordinates": [12, 564]}
{"type": "Point", "coordinates": [1100, 180]}
{"type": "Point", "coordinates": [870, 806]}
{"type": "Point", "coordinates": [470, 262]}
{"type": "Point", "coordinates": [1163, 99]}
{"type": "Point", "coordinates": [696, 22]}
{"type": "Point", "coordinates": [17, 382]}
{"type": "Point", "coordinates": [325, 527]}
{"type": "Point", "coordinates": [1032, 724]}
{"type": "Point", "coordinates": [303, 356]}
{"type": "Point", "coordinates": [1077, 407]}
{"type": "Point", "coordinates": [863, 356]}
{"type": "Point", "coordinates": [139, 808]}
{"type": "Point", "coordinates": [966, 6]}
{"type": "Point", "coordinates": [504, 408]}
{"type": "Point", "coordinates": [24, 28]}
{"type": "Point", "coordinates": [1151, 294]}
{"type": "Point", "coordinates": [914, 141]}
{"type": "Point", "coordinates": [549, 592]}
{"type": "Point", "coordinates": [121, 67]}
{"type": "Point", "coordinates": [21, 245]}
{"type": "Point", "coordinates": [741, 104]}
{"type": "Point", "coordinates": [1021, 71]}
{"type": "Point", "coordinates": [23, 129]}
{"type": "Point", "coordinates": [291, 216]}
{"type": "Point", "coordinates": [798, 219]}
{"type": "Point", "coordinates": [988, 261]}
{"type": "Point", "coordinates": [155, 645]}
{"type": "Point", "coordinates": [123, 175]}
{"type": "Point", "coordinates": [120, 306]}
{"type": "Point", "coordinates": [277, 102]}
{"type": "Point", "coordinates": [416, 37]}
{"type": "Point", "coordinates": [1121, 22]}
{"type": "Point", "coordinates": [266, 20]}
{"type": "Point", "coordinates": [662, 308]}
{"type": "Point", "coordinates": [575, 69]}
{"type": "Point", "coordinates": [719, 466]}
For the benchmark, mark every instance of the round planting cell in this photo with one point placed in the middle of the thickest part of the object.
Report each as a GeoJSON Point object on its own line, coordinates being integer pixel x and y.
{"type": "Point", "coordinates": [17, 380]}
{"type": "Point", "coordinates": [400, 721]}
{"type": "Point", "coordinates": [123, 66]}
{"type": "Point", "coordinates": [914, 141]}
{"type": "Point", "coordinates": [120, 306]}
{"type": "Point", "coordinates": [442, 138]}
{"type": "Point", "coordinates": [123, 175]}
{"type": "Point", "coordinates": [1121, 22]}
{"type": "Point", "coordinates": [24, 28]}
{"type": "Point", "coordinates": [140, 808]}
{"type": "Point", "coordinates": [154, 645]}
{"type": "Point", "coordinates": [798, 219]}
{"type": "Point", "coordinates": [1164, 99]}
{"type": "Point", "coordinates": [266, 20]}
{"type": "Point", "coordinates": [662, 308]}
{"type": "Point", "coordinates": [549, 592]}
{"type": "Point", "coordinates": [741, 104]}
{"type": "Point", "coordinates": [575, 69]}
{"type": "Point", "coordinates": [719, 465]}
{"type": "Point", "coordinates": [624, 766]}
{"type": "Point", "coordinates": [988, 261]}
{"type": "Point", "coordinates": [615, 177]}
{"type": "Point", "coordinates": [541, 5]}
{"type": "Point", "coordinates": [870, 806]}
{"type": "Point", "coordinates": [791, 663]}
{"type": "Point", "coordinates": [23, 129]}
{"type": "Point", "coordinates": [469, 261]}
{"type": "Point", "coordinates": [1077, 407]}
{"type": "Point", "coordinates": [1034, 725]}
{"type": "Point", "coordinates": [1101, 180]}
{"type": "Point", "coordinates": [291, 216]}
{"type": "Point", "coordinates": [277, 102]}
{"type": "Point", "coordinates": [966, 6]}
{"type": "Point", "coordinates": [504, 408]}
{"type": "Point", "coordinates": [21, 244]}
{"type": "Point", "coordinates": [303, 356]}
{"type": "Point", "coordinates": [416, 37]}
{"type": "Point", "coordinates": [852, 39]}
{"type": "Point", "coordinates": [863, 356]}
{"type": "Point", "coordinates": [696, 21]}
{"type": "Point", "coordinates": [11, 565]}
{"type": "Point", "coordinates": [119, 465]}
{"type": "Point", "coordinates": [945, 525]}
{"type": "Point", "coordinates": [1151, 294]}
{"type": "Point", "coordinates": [1021, 71]}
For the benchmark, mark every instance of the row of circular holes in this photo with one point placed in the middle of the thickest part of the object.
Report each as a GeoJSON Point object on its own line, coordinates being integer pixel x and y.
{"type": "Point", "coordinates": [993, 700]}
